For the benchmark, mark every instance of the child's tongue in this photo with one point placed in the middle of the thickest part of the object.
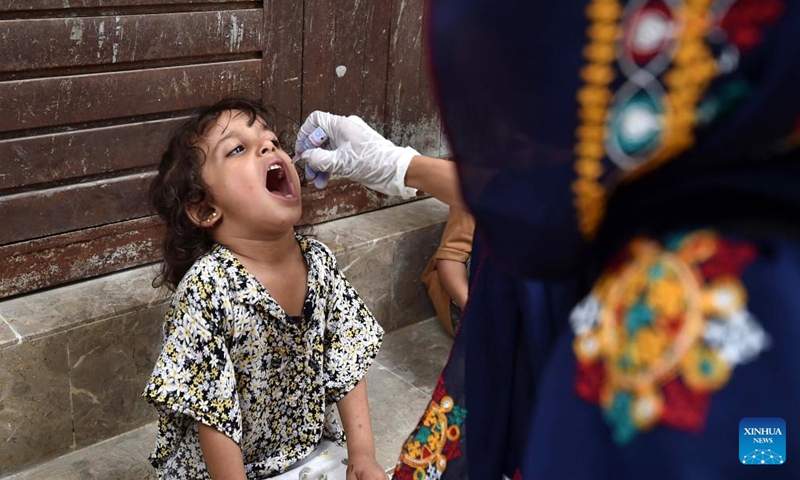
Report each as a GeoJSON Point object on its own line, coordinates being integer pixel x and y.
{"type": "Point", "coordinates": [278, 182]}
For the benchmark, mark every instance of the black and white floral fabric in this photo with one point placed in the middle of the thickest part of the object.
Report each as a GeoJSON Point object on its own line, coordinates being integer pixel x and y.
{"type": "Point", "coordinates": [234, 360]}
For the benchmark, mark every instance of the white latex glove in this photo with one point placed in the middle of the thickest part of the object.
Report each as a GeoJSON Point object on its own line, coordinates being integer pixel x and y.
{"type": "Point", "coordinates": [358, 153]}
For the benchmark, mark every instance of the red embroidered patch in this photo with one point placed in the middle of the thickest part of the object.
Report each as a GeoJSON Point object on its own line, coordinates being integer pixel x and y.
{"type": "Point", "coordinates": [730, 259]}
{"type": "Point", "coordinates": [683, 408]}
{"type": "Point", "coordinates": [589, 381]}
{"type": "Point", "coordinates": [746, 21]}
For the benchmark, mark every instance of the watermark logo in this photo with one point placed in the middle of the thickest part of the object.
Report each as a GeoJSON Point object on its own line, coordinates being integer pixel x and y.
{"type": "Point", "coordinates": [762, 441]}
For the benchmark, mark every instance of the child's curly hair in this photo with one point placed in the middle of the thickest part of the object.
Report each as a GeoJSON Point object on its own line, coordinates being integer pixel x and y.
{"type": "Point", "coordinates": [179, 184]}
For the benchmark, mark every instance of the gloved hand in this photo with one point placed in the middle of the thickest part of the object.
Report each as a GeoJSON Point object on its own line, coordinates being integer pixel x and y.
{"type": "Point", "coordinates": [358, 153]}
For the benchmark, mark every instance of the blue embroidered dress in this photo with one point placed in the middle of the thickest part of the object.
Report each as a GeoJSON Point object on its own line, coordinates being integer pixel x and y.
{"type": "Point", "coordinates": [633, 167]}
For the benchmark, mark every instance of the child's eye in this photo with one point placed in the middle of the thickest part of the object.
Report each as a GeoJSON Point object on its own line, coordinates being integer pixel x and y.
{"type": "Point", "coordinates": [237, 150]}
{"type": "Point", "coordinates": [277, 143]}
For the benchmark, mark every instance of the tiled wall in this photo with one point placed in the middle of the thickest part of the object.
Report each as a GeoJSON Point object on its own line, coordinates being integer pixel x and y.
{"type": "Point", "coordinates": [383, 255]}
{"type": "Point", "coordinates": [73, 360]}
{"type": "Point", "coordinates": [72, 363]}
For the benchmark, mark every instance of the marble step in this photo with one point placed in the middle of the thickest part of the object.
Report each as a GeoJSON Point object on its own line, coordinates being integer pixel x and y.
{"type": "Point", "coordinates": [73, 360]}
{"type": "Point", "coordinates": [399, 383]}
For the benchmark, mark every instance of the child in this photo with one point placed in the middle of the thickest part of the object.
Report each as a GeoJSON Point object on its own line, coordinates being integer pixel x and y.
{"type": "Point", "coordinates": [446, 275]}
{"type": "Point", "coordinates": [264, 334]}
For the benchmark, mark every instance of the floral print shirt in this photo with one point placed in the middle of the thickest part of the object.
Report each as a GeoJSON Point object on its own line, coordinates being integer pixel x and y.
{"type": "Point", "coordinates": [235, 361]}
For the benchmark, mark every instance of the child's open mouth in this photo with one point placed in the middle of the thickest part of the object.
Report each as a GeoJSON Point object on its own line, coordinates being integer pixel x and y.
{"type": "Point", "coordinates": [278, 182]}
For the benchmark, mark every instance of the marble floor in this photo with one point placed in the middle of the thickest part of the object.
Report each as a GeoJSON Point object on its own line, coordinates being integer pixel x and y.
{"type": "Point", "coordinates": [400, 383]}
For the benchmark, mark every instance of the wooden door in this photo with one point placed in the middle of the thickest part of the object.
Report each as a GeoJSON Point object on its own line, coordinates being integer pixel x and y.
{"type": "Point", "coordinates": [90, 89]}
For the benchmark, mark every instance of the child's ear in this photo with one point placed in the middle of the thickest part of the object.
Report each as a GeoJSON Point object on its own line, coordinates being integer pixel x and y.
{"type": "Point", "coordinates": [203, 215]}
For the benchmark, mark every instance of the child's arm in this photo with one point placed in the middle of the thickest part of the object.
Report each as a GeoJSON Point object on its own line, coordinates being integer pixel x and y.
{"type": "Point", "coordinates": [454, 279]}
{"type": "Point", "coordinates": [354, 410]}
{"type": "Point", "coordinates": [222, 455]}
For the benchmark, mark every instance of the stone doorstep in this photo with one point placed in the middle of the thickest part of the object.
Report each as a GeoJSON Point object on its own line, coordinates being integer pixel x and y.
{"type": "Point", "coordinates": [399, 384]}
{"type": "Point", "coordinates": [73, 360]}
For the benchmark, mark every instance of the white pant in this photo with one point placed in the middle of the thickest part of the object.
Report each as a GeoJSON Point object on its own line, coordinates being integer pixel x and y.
{"type": "Point", "coordinates": [327, 462]}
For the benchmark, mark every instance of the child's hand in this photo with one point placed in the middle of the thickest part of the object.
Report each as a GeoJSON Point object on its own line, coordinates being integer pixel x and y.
{"type": "Point", "coordinates": [365, 468]}
{"type": "Point", "coordinates": [359, 154]}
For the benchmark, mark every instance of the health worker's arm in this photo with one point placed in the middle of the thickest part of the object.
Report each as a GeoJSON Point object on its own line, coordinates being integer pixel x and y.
{"type": "Point", "coordinates": [437, 177]}
{"type": "Point", "coordinates": [363, 155]}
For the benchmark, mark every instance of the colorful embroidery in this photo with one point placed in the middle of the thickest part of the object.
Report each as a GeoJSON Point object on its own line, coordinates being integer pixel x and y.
{"type": "Point", "coordinates": [435, 441]}
{"type": "Point", "coordinates": [666, 53]}
{"type": "Point", "coordinates": [594, 99]}
{"type": "Point", "coordinates": [662, 329]}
